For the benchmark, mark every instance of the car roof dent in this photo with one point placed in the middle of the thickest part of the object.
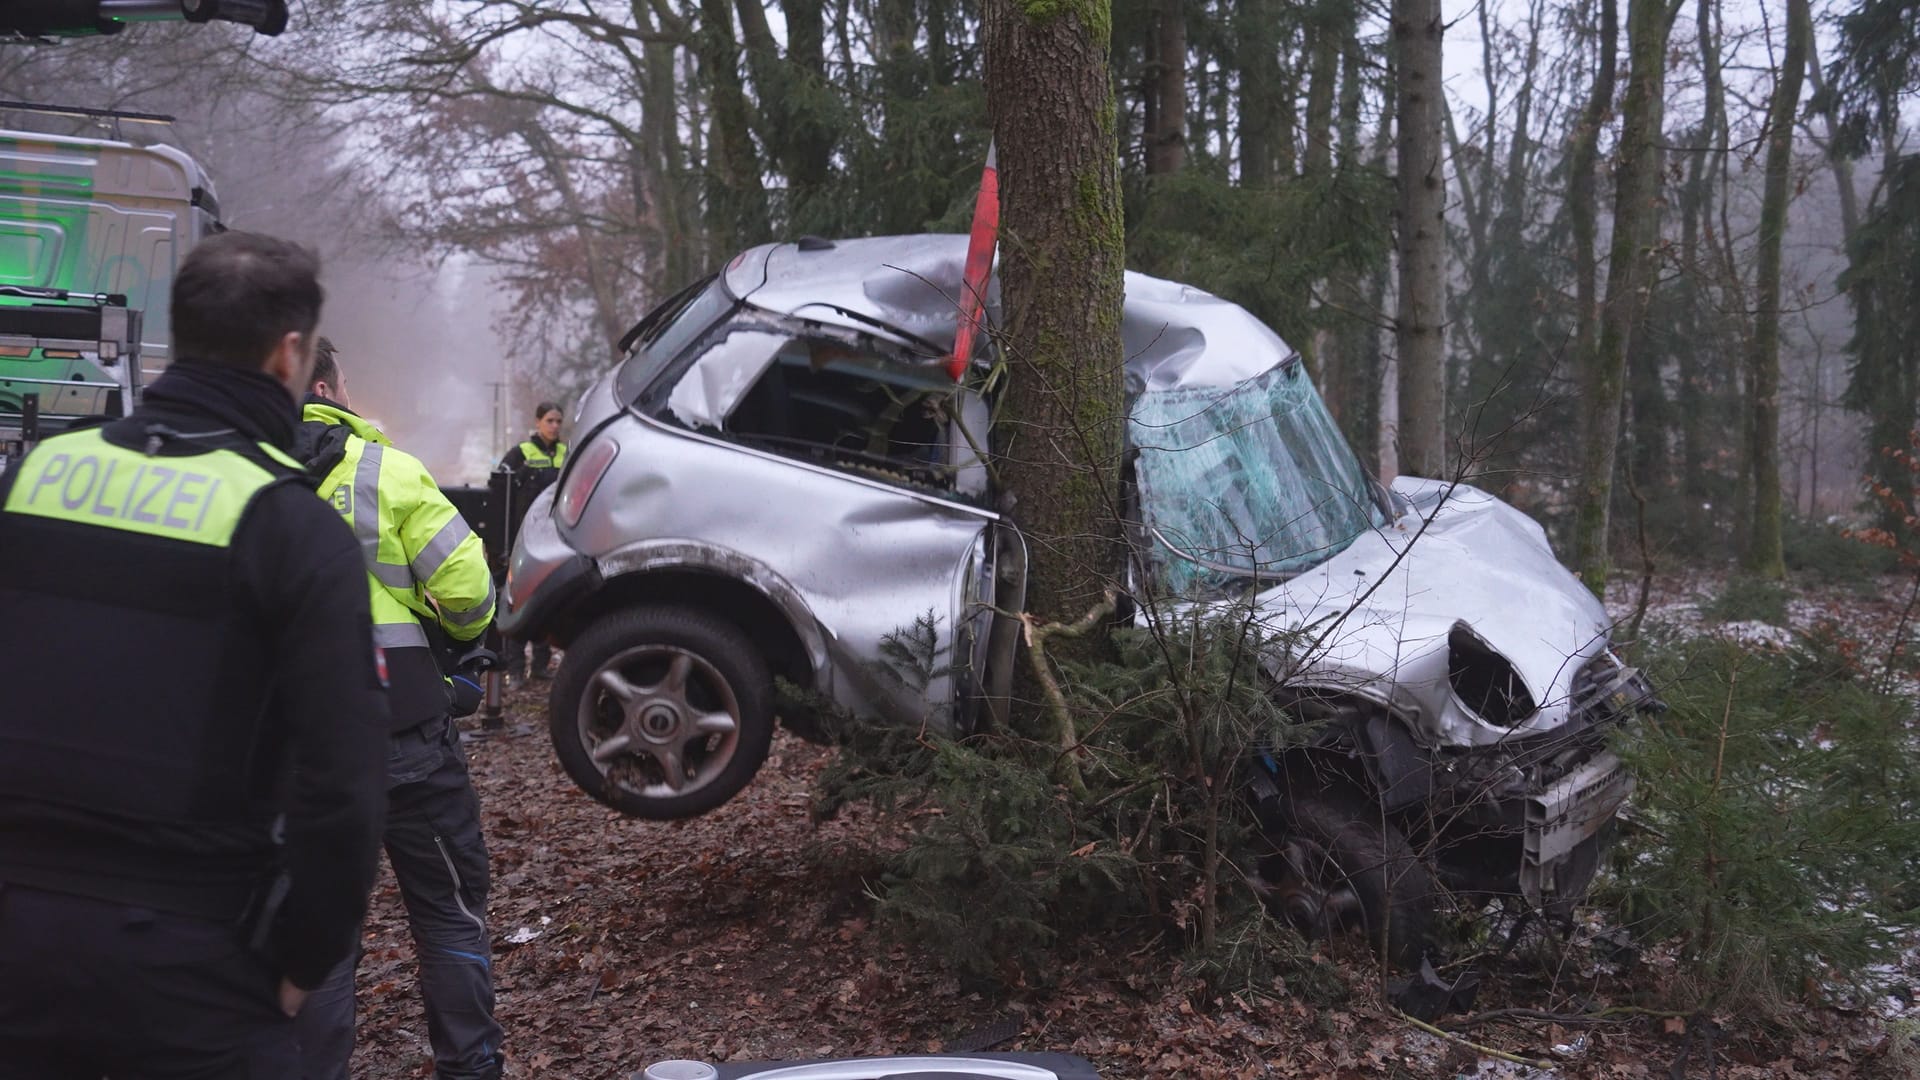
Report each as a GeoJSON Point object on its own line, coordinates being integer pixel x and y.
{"type": "Point", "coordinates": [1175, 336]}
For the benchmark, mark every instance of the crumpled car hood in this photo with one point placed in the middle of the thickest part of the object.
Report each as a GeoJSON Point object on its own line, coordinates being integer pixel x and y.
{"type": "Point", "coordinates": [1479, 562]}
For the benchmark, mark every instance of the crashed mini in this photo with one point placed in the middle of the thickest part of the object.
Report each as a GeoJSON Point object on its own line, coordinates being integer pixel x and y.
{"type": "Point", "coordinates": [780, 476]}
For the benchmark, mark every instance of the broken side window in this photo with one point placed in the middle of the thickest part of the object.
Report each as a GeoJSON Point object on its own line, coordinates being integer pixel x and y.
{"type": "Point", "coordinates": [833, 402]}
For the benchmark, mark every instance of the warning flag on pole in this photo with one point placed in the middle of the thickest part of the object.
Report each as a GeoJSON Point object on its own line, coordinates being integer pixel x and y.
{"type": "Point", "coordinates": [973, 284]}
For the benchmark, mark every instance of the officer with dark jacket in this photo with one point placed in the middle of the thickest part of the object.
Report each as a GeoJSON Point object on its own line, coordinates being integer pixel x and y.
{"type": "Point", "coordinates": [432, 594]}
{"type": "Point", "coordinates": [534, 464]}
{"type": "Point", "coordinates": [541, 454]}
{"type": "Point", "coordinates": [193, 736]}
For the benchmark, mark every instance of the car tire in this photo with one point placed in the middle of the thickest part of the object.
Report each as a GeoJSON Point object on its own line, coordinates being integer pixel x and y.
{"type": "Point", "coordinates": [1337, 843]}
{"type": "Point", "coordinates": [645, 690]}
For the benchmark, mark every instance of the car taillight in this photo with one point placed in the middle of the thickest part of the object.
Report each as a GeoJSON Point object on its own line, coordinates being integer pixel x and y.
{"type": "Point", "coordinates": [585, 475]}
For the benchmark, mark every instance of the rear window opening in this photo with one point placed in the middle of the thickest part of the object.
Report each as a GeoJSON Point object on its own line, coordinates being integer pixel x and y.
{"type": "Point", "coordinates": [843, 403]}
{"type": "Point", "coordinates": [844, 413]}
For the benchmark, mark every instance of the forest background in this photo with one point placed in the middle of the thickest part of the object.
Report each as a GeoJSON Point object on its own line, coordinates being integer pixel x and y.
{"type": "Point", "coordinates": [1657, 283]}
{"type": "Point", "coordinates": [575, 162]}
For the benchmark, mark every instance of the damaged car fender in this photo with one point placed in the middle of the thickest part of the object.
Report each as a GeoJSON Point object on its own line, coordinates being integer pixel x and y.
{"type": "Point", "coordinates": [677, 555]}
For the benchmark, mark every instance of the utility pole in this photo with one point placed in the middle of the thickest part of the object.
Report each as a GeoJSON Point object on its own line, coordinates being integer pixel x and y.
{"type": "Point", "coordinates": [494, 445]}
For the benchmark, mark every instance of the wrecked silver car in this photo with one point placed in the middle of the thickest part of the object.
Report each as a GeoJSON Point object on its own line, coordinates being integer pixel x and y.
{"type": "Point", "coordinates": [780, 475]}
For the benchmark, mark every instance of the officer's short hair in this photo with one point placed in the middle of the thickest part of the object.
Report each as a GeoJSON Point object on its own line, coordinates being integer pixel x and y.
{"type": "Point", "coordinates": [326, 367]}
{"type": "Point", "coordinates": [238, 293]}
{"type": "Point", "coordinates": [544, 408]}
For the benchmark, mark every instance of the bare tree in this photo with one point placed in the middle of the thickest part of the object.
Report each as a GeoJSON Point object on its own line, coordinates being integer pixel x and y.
{"type": "Point", "coordinates": [1167, 98]}
{"type": "Point", "coordinates": [1763, 554]}
{"type": "Point", "coordinates": [1420, 327]}
{"type": "Point", "coordinates": [1629, 276]}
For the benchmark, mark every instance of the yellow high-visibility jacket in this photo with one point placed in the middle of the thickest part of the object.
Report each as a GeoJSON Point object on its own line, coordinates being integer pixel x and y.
{"type": "Point", "coordinates": [425, 566]}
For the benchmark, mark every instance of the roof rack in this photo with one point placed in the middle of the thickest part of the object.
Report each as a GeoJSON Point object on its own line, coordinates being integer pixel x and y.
{"type": "Point", "coordinates": [89, 113]}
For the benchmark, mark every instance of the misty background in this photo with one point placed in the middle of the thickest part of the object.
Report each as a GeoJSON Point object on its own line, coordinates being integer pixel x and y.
{"type": "Point", "coordinates": [499, 189]}
{"type": "Point", "coordinates": [417, 328]}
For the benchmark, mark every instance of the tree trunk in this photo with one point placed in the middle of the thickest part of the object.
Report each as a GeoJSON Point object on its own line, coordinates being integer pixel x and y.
{"type": "Point", "coordinates": [810, 143]}
{"type": "Point", "coordinates": [1323, 79]}
{"type": "Point", "coordinates": [1167, 139]}
{"type": "Point", "coordinates": [1629, 273]}
{"type": "Point", "coordinates": [1256, 41]}
{"type": "Point", "coordinates": [736, 195]}
{"type": "Point", "coordinates": [1061, 257]}
{"type": "Point", "coordinates": [1841, 165]}
{"type": "Point", "coordinates": [1359, 377]}
{"type": "Point", "coordinates": [1583, 198]}
{"type": "Point", "coordinates": [1420, 326]}
{"type": "Point", "coordinates": [1763, 556]}
{"type": "Point", "coordinates": [658, 164]}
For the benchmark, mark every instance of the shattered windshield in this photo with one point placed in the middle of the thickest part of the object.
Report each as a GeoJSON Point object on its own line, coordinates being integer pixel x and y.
{"type": "Point", "coordinates": [1250, 484]}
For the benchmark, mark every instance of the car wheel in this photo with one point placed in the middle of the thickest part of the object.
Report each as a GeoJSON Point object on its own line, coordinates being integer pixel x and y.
{"type": "Point", "coordinates": [662, 712]}
{"type": "Point", "coordinates": [1334, 864]}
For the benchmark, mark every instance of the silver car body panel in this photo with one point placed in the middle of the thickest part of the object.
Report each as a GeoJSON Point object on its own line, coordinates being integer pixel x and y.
{"type": "Point", "coordinates": [1174, 335]}
{"type": "Point", "coordinates": [853, 559]}
{"type": "Point", "coordinates": [1377, 615]}
{"type": "Point", "coordinates": [848, 559]}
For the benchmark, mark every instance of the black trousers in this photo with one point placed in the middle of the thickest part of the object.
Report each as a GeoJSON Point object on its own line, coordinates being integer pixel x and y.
{"type": "Point", "coordinates": [439, 858]}
{"type": "Point", "coordinates": [91, 988]}
{"type": "Point", "coordinates": [516, 652]}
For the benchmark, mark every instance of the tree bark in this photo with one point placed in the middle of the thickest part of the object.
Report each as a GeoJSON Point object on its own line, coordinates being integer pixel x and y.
{"type": "Point", "coordinates": [1583, 198]}
{"type": "Point", "coordinates": [736, 194]}
{"type": "Point", "coordinates": [1061, 256]}
{"type": "Point", "coordinates": [1420, 327]}
{"type": "Point", "coordinates": [1324, 43]}
{"type": "Point", "coordinates": [810, 143]}
{"type": "Point", "coordinates": [1696, 204]}
{"type": "Point", "coordinates": [1167, 141]}
{"type": "Point", "coordinates": [1629, 273]}
{"type": "Point", "coordinates": [1763, 555]}
{"type": "Point", "coordinates": [1255, 36]}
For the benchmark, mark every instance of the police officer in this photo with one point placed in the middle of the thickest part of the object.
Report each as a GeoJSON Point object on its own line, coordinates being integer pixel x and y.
{"type": "Point", "coordinates": [428, 578]}
{"type": "Point", "coordinates": [542, 454]}
{"type": "Point", "coordinates": [534, 463]}
{"type": "Point", "coordinates": [192, 737]}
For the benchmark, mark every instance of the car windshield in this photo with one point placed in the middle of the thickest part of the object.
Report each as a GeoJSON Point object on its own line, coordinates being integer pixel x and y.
{"type": "Point", "coordinates": [1245, 485]}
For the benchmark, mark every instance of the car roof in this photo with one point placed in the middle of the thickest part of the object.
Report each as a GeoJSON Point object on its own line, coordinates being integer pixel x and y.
{"type": "Point", "coordinates": [1175, 336]}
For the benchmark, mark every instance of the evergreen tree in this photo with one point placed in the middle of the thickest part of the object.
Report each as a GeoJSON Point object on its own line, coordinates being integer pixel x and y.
{"type": "Point", "coordinates": [1876, 75]}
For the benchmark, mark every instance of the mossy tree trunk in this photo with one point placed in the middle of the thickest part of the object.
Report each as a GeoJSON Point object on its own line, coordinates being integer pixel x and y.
{"type": "Point", "coordinates": [1763, 554]}
{"type": "Point", "coordinates": [1629, 277]}
{"type": "Point", "coordinates": [1061, 258]}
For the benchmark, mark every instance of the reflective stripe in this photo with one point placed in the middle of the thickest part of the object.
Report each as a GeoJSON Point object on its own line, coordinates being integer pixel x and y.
{"type": "Point", "coordinates": [468, 618]}
{"type": "Point", "coordinates": [366, 506]}
{"type": "Point", "coordinates": [399, 635]}
{"type": "Point", "coordinates": [435, 553]}
{"type": "Point", "coordinates": [537, 458]}
{"type": "Point", "coordinates": [391, 575]}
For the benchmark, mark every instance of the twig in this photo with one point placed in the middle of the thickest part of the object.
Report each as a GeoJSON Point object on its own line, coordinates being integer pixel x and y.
{"type": "Point", "coordinates": [1603, 1016]}
{"type": "Point", "coordinates": [1899, 632]}
{"type": "Point", "coordinates": [1037, 636]}
{"type": "Point", "coordinates": [1641, 1010]}
{"type": "Point", "coordinates": [1532, 1063]}
{"type": "Point", "coordinates": [1713, 797]}
{"type": "Point", "coordinates": [1646, 559]}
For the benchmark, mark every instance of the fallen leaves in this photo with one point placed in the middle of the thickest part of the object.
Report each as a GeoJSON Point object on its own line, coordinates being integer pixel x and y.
{"type": "Point", "coordinates": [746, 935]}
